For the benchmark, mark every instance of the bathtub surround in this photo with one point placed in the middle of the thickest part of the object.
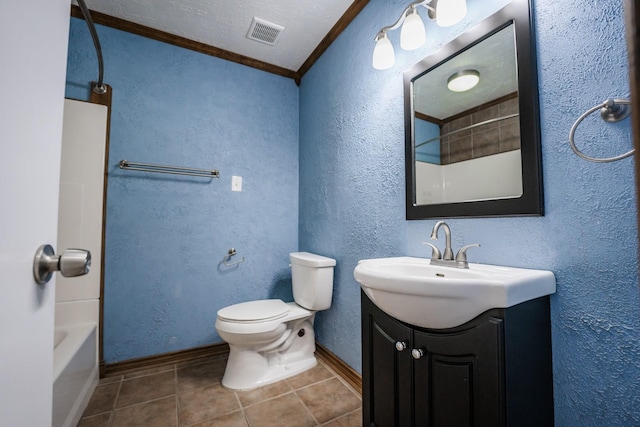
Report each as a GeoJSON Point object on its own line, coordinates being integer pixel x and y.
{"type": "Point", "coordinates": [468, 180]}
{"type": "Point", "coordinates": [351, 192]}
{"type": "Point", "coordinates": [77, 309]}
{"type": "Point", "coordinates": [81, 195]}
{"type": "Point", "coordinates": [498, 137]}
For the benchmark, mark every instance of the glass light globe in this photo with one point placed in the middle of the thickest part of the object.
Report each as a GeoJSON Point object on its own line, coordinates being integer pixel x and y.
{"type": "Point", "coordinates": [383, 56]}
{"type": "Point", "coordinates": [450, 12]}
{"type": "Point", "coordinates": [412, 35]}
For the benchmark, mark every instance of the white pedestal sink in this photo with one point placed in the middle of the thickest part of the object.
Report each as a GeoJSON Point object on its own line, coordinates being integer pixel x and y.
{"type": "Point", "coordinates": [437, 297]}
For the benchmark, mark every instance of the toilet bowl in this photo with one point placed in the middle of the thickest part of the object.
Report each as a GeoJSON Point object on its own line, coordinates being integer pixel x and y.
{"type": "Point", "coordinates": [270, 340]}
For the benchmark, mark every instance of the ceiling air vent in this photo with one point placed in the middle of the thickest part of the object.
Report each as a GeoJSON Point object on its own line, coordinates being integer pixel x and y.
{"type": "Point", "coordinates": [264, 31]}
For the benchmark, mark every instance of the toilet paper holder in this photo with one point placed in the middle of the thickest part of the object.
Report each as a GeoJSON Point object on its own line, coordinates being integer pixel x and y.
{"type": "Point", "coordinates": [231, 252]}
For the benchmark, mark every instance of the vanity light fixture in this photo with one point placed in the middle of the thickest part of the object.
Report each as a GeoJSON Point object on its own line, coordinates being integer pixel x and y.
{"type": "Point", "coordinates": [383, 56]}
{"type": "Point", "coordinates": [412, 35]}
{"type": "Point", "coordinates": [463, 81]}
{"type": "Point", "coordinates": [450, 12]}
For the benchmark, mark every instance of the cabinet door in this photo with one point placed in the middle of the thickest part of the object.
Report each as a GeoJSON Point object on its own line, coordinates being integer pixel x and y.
{"type": "Point", "coordinates": [387, 376]}
{"type": "Point", "coordinates": [459, 378]}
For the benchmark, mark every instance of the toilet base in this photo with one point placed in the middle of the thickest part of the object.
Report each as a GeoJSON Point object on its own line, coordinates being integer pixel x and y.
{"type": "Point", "coordinates": [248, 368]}
{"type": "Point", "coordinates": [243, 378]}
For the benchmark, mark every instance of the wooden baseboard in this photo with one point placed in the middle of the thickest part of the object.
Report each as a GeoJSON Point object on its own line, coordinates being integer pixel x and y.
{"type": "Point", "coordinates": [350, 375]}
{"type": "Point", "coordinates": [345, 371]}
{"type": "Point", "coordinates": [181, 356]}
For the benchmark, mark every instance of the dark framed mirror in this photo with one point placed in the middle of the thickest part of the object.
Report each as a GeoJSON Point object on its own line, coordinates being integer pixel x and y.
{"type": "Point", "coordinates": [475, 152]}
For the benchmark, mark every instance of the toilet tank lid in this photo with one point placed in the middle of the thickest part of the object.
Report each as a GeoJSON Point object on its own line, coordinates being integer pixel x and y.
{"type": "Point", "coordinates": [311, 260]}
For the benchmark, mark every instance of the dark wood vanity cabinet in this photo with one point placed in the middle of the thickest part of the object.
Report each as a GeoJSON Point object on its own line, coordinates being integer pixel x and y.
{"type": "Point", "coordinates": [493, 371]}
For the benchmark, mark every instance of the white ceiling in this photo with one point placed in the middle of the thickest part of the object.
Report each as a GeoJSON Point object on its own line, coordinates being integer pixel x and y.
{"type": "Point", "coordinates": [224, 23]}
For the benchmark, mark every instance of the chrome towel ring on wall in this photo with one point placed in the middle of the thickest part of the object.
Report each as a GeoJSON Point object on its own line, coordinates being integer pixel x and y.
{"type": "Point", "coordinates": [611, 111]}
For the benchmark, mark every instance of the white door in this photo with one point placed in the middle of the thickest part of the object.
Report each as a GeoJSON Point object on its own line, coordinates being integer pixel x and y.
{"type": "Point", "coordinates": [33, 56]}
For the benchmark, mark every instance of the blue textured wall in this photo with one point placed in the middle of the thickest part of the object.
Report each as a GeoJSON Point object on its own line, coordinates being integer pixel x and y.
{"type": "Point", "coordinates": [352, 194]}
{"type": "Point", "coordinates": [166, 235]}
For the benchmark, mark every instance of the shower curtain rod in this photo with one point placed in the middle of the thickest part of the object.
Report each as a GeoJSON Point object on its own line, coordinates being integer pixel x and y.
{"type": "Point", "coordinates": [486, 122]}
{"type": "Point", "coordinates": [99, 88]}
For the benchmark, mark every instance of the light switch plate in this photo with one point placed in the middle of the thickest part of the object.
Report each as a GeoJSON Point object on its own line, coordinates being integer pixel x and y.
{"type": "Point", "coordinates": [236, 183]}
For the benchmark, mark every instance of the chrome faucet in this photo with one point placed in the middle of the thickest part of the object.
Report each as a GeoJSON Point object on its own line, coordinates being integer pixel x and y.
{"type": "Point", "coordinates": [448, 252]}
{"type": "Point", "coordinates": [447, 258]}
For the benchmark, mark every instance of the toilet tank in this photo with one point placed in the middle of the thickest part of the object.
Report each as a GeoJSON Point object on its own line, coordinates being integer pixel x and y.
{"type": "Point", "coordinates": [312, 280]}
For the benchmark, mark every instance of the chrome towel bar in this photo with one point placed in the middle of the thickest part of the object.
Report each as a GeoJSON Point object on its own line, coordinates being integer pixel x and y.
{"type": "Point", "coordinates": [176, 170]}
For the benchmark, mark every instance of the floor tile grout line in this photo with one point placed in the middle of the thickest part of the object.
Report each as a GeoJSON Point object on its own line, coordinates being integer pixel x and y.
{"type": "Point", "coordinates": [244, 415]}
{"type": "Point", "coordinates": [268, 399]}
{"type": "Point", "coordinates": [115, 400]}
{"type": "Point", "coordinates": [306, 408]}
{"type": "Point", "coordinates": [348, 388]}
{"type": "Point", "coordinates": [98, 415]}
{"type": "Point", "coordinates": [177, 410]}
{"type": "Point", "coordinates": [209, 419]}
{"type": "Point", "coordinates": [145, 402]}
{"type": "Point", "coordinates": [358, 395]}
{"type": "Point", "coordinates": [340, 416]}
{"type": "Point", "coordinates": [147, 374]}
{"type": "Point", "coordinates": [180, 392]}
{"type": "Point", "coordinates": [312, 384]}
{"type": "Point", "coordinates": [113, 405]}
{"type": "Point", "coordinates": [175, 379]}
{"type": "Point", "coordinates": [337, 375]}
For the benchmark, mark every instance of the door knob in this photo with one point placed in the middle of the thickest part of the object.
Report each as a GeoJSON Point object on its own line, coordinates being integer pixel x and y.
{"type": "Point", "coordinates": [72, 263]}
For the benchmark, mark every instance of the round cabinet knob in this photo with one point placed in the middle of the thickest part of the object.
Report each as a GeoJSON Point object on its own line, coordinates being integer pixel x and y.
{"type": "Point", "coordinates": [417, 353]}
{"type": "Point", "coordinates": [401, 345]}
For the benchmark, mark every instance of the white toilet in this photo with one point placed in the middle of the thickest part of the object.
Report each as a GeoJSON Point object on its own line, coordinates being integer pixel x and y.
{"type": "Point", "coordinates": [270, 340]}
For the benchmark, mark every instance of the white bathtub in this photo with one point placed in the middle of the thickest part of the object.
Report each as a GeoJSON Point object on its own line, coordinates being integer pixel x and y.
{"type": "Point", "coordinates": [75, 372]}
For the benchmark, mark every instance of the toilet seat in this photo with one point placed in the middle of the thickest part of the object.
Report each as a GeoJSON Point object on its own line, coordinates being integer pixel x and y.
{"type": "Point", "coordinates": [227, 321]}
{"type": "Point", "coordinates": [254, 311]}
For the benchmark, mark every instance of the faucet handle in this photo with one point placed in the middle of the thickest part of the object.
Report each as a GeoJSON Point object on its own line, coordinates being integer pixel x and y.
{"type": "Point", "coordinates": [461, 256]}
{"type": "Point", "coordinates": [435, 252]}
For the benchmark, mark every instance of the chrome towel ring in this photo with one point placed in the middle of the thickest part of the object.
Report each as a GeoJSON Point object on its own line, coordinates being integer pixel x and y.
{"type": "Point", "coordinates": [611, 111]}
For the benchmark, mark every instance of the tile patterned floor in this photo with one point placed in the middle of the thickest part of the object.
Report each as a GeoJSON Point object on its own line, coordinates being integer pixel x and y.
{"type": "Point", "coordinates": [191, 395]}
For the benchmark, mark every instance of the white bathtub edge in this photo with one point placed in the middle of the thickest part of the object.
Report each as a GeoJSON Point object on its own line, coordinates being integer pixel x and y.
{"type": "Point", "coordinates": [81, 404]}
{"type": "Point", "coordinates": [64, 352]}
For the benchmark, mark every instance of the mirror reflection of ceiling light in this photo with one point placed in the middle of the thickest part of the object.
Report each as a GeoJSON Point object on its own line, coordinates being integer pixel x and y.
{"type": "Point", "coordinates": [463, 81]}
{"type": "Point", "coordinates": [446, 13]}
